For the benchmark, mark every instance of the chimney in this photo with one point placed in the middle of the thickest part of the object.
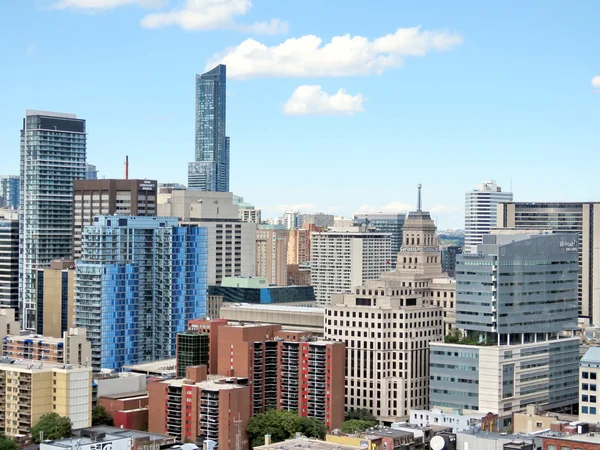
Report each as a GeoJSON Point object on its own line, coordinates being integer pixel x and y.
{"type": "Point", "coordinates": [267, 439]}
{"type": "Point", "coordinates": [127, 167]}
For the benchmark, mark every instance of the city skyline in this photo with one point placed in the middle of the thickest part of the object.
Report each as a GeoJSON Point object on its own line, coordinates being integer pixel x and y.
{"type": "Point", "coordinates": [460, 89]}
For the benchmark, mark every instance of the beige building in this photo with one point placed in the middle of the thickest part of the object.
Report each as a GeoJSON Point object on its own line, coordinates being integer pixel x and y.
{"type": "Point", "coordinates": [55, 295]}
{"type": "Point", "coordinates": [231, 242]}
{"type": "Point", "coordinates": [298, 318]}
{"type": "Point", "coordinates": [29, 391]}
{"type": "Point", "coordinates": [271, 253]}
{"type": "Point", "coordinates": [589, 395]}
{"type": "Point", "coordinates": [8, 323]}
{"type": "Point", "coordinates": [298, 246]}
{"type": "Point", "coordinates": [533, 420]}
{"type": "Point", "coordinates": [73, 348]}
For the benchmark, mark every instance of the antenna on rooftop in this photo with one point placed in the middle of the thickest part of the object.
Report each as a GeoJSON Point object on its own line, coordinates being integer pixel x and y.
{"type": "Point", "coordinates": [127, 167]}
{"type": "Point", "coordinates": [419, 197]}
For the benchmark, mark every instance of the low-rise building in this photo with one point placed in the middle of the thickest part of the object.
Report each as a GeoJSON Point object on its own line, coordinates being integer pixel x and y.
{"type": "Point", "coordinates": [8, 323]}
{"type": "Point", "coordinates": [115, 383]}
{"type": "Point", "coordinates": [109, 438]}
{"type": "Point", "coordinates": [534, 420]}
{"type": "Point", "coordinates": [127, 410]}
{"type": "Point", "coordinates": [589, 375]}
{"type": "Point", "coordinates": [587, 441]}
{"type": "Point", "coordinates": [456, 420]}
{"type": "Point", "coordinates": [164, 368]}
{"type": "Point", "coordinates": [496, 441]}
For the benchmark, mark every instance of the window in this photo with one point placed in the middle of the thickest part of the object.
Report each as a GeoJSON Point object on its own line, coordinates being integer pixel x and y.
{"type": "Point", "coordinates": [593, 387]}
{"type": "Point", "coordinates": [585, 375]}
{"type": "Point", "coordinates": [585, 387]}
{"type": "Point", "coordinates": [539, 424]}
{"type": "Point", "coordinates": [551, 447]}
{"type": "Point", "coordinates": [592, 375]}
{"type": "Point", "coordinates": [593, 398]}
{"type": "Point", "coordinates": [585, 409]}
{"type": "Point", "coordinates": [585, 398]}
{"type": "Point", "coordinates": [592, 410]}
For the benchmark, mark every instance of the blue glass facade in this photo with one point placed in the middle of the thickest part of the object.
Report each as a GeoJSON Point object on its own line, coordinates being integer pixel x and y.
{"type": "Point", "coordinates": [139, 282]}
{"type": "Point", "coordinates": [10, 188]}
{"type": "Point", "coordinates": [210, 172]}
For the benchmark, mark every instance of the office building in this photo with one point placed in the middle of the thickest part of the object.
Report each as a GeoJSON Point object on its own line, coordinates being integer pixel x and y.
{"type": "Point", "coordinates": [292, 220]}
{"type": "Point", "coordinates": [210, 169]}
{"type": "Point", "coordinates": [385, 223]}
{"type": "Point", "coordinates": [10, 188]}
{"type": "Point", "coordinates": [582, 218]}
{"type": "Point", "coordinates": [9, 263]}
{"type": "Point", "coordinates": [231, 243]}
{"type": "Point", "coordinates": [192, 350]}
{"type": "Point", "coordinates": [246, 211]}
{"type": "Point", "coordinates": [53, 155]}
{"type": "Point", "coordinates": [317, 219]}
{"type": "Point", "coordinates": [199, 409]}
{"type": "Point", "coordinates": [339, 221]}
{"type": "Point", "coordinates": [343, 258]}
{"type": "Point", "coordinates": [91, 172]}
{"type": "Point", "coordinates": [109, 197]}
{"type": "Point", "coordinates": [211, 327]}
{"type": "Point", "coordinates": [139, 281]}
{"type": "Point", "coordinates": [589, 374]}
{"type": "Point", "coordinates": [481, 212]}
{"type": "Point", "coordinates": [55, 298]}
{"type": "Point", "coordinates": [286, 370]}
{"type": "Point", "coordinates": [72, 348]}
{"type": "Point", "coordinates": [516, 304]}
{"type": "Point", "coordinates": [257, 290]}
{"type": "Point", "coordinates": [271, 253]}
{"type": "Point", "coordinates": [41, 389]}
{"type": "Point", "coordinates": [9, 325]}
{"type": "Point", "coordinates": [448, 257]}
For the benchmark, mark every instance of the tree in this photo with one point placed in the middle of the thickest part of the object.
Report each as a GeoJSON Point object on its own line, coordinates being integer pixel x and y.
{"type": "Point", "coordinates": [7, 444]}
{"type": "Point", "coordinates": [360, 414]}
{"type": "Point", "coordinates": [282, 425]}
{"type": "Point", "coordinates": [355, 426]}
{"type": "Point", "coordinates": [100, 416]}
{"type": "Point", "coordinates": [52, 426]}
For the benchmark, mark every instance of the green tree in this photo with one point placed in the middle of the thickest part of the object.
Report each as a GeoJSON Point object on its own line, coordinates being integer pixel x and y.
{"type": "Point", "coordinates": [7, 444]}
{"type": "Point", "coordinates": [360, 414]}
{"type": "Point", "coordinates": [282, 425]}
{"type": "Point", "coordinates": [53, 426]}
{"type": "Point", "coordinates": [100, 416]}
{"type": "Point", "coordinates": [354, 425]}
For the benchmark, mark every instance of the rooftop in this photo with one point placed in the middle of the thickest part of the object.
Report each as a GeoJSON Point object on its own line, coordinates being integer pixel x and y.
{"type": "Point", "coordinates": [162, 367]}
{"type": "Point", "coordinates": [36, 366]}
{"type": "Point", "coordinates": [588, 438]}
{"type": "Point", "coordinates": [313, 444]}
{"type": "Point", "coordinates": [128, 395]}
{"type": "Point", "coordinates": [275, 307]}
{"type": "Point", "coordinates": [591, 357]}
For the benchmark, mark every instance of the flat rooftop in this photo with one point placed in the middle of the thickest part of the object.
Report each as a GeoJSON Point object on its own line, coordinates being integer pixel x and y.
{"type": "Point", "coordinates": [162, 367]}
{"type": "Point", "coordinates": [587, 438]}
{"type": "Point", "coordinates": [112, 434]}
{"type": "Point", "coordinates": [215, 384]}
{"type": "Point", "coordinates": [33, 338]}
{"type": "Point", "coordinates": [127, 396]}
{"type": "Point", "coordinates": [275, 308]}
{"type": "Point", "coordinates": [36, 366]}
{"type": "Point", "coordinates": [313, 444]}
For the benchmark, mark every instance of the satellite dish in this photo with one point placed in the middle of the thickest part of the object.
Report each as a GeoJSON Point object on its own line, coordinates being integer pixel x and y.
{"type": "Point", "coordinates": [437, 443]}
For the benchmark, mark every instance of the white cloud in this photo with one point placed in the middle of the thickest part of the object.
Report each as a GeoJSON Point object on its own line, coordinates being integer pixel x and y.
{"type": "Point", "coordinates": [443, 209]}
{"type": "Point", "coordinates": [107, 4]}
{"type": "Point", "coordinates": [311, 100]}
{"type": "Point", "coordinates": [596, 81]}
{"type": "Point", "coordinates": [30, 50]}
{"type": "Point", "coordinates": [343, 56]}
{"type": "Point", "coordinates": [390, 207]}
{"type": "Point", "coordinates": [212, 14]}
{"type": "Point", "coordinates": [302, 207]}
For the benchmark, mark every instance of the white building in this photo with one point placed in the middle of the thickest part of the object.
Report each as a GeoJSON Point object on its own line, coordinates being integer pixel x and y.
{"type": "Point", "coordinates": [345, 257]}
{"type": "Point", "coordinates": [231, 242]}
{"type": "Point", "coordinates": [292, 220]}
{"type": "Point", "coordinates": [339, 221]}
{"type": "Point", "coordinates": [458, 422]}
{"type": "Point", "coordinates": [481, 210]}
{"type": "Point", "coordinates": [246, 211]}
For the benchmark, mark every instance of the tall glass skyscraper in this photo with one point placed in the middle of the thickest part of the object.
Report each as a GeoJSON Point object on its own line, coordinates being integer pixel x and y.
{"type": "Point", "coordinates": [139, 281]}
{"type": "Point", "coordinates": [9, 191]}
{"type": "Point", "coordinates": [210, 170]}
{"type": "Point", "coordinates": [53, 155]}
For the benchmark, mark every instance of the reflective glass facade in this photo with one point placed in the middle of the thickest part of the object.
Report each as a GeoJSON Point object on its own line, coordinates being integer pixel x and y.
{"type": "Point", "coordinates": [53, 155]}
{"type": "Point", "coordinates": [212, 146]}
{"type": "Point", "coordinates": [139, 281]}
{"type": "Point", "coordinates": [10, 187]}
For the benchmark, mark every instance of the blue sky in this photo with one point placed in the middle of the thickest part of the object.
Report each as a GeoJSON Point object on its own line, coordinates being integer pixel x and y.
{"type": "Point", "coordinates": [482, 90]}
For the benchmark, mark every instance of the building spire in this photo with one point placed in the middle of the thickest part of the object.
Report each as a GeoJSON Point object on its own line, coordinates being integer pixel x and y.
{"type": "Point", "coordinates": [419, 198]}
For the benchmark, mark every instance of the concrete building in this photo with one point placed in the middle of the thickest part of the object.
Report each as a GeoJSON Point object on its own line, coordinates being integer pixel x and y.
{"type": "Point", "coordinates": [481, 211]}
{"type": "Point", "coordinates": [39, 389]}
{"type": "Point", "coordinates": [55, 298]}
{"type": "Point", "coordinates": [299, 243]}
{"type": "Point", "coordinates": [513, 326]}
{"type": "Point", "coordinates": [53, 155]}
{"type": "Point", "coordinates": [454, 419]}
{"type": "Point", "coordinates": [589, 374]}
{"type": "Point", "coordinates": [9, 325]}
{"type": "Point", "coordinates": [140, 280]}
{"type": "Point", "coordinates": [10, 189]}
{"type": "Point", "coordinates": [9, 262]}
{"type": "Point", "coordinates": [119, 383]}
{"type": "Point", "coordinates": [286, 370]}
{"type": "Point", "coordinates": [164, 368]}
{"type": "Point", "coordinates": [385, 223]}
{"type": "Point", "coordinates": [448, 257]}
{"type": "Point", "coordinates": [582, 218]}
{"type": "Point", "coordinates": [257, 290]}
{"type": "Point", "coordinates": [535, 420]}
{"type": "Point", "coordinates": [300, 318]}
{"type": "Point", "coordinates": [247, 212]}
{"type": "Point", "coordinates": [339, 221]}
{"type": "Point", "coordinates": [346, 257]}
{"type": "Point", "coordinates": [231, 243]}
{"type": "Point", "coordinates": [298, 275]}
{"type": "Point", "coordinates": [585, 441]}
{"type": "Point", "coordinates": [109, 197]}
{"type": "Point", "coordinates": [271, 253]}
{"type": "Point", "coordinates": [318, 219]}
{"type": "Point", "coordinates": [197, 408]}
{"type": "Point", "coordinates": [129, 410]}
{"type": "Point", "coordinates": [73, 348]}
{"type": "Point", "coordinates": [292, 220]}
{"type": "Point", "coordinates": [110, 438]}
{"type": "Point", "coordinates": [496, 441]}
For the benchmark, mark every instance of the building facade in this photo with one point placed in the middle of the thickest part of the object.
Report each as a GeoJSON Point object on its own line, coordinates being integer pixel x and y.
{"type": "Point", "coordinates": [139, 281]}
{"type": "Point", "coordinates": [10, 188]}
{"type": "Point", "coordinates": [231, 242]}
{"type": "Point", "coordinates": [589, 374]}
{"type": "Point", "coordinates": [55, 297]}
{"type": "Point", "coordinates": [9, 325]}
{"type": "Point", "coordinates": [37, 390]}
{"type": "Point", "coordinates": [210, 170]}
{"type": "Point", "coordinates": [257, 290]}
{"type": "Point", "coordinates": [481, 211]}
{"type": "Point", "coordinates": [108, 197]}
{"type": "Point", "coordinates": [246, 211]}
{"type": "Point", "coordinates": [192, 350]}
{"type": "Point", "coordinates": [53, 155]}
{"type": "Point", "coordinates": [449, 254]}
{"type": "Point", "coordinates": [271, 253]}
{"type": "Point", "coordinates": [516, 297]}
{"type": "Point", "coordinates": [581, 218]}
{"type": "Point", "coordinates": [91, 172]}
{"type": "Point", "coordinates": [385, 223]}
{"type": "Point", "coordinates": [317, 219]}
{"type": "Point", "coordinates": [346, 257]}
{"type": "Point", "coordinates": [9, 263]}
